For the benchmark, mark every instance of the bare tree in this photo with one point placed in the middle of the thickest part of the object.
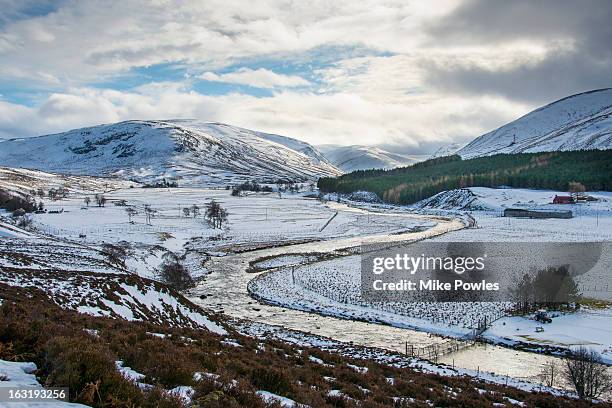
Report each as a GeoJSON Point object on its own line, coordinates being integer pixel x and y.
{"type": "Point", "coordinates": [149, 213]}
{"type": "Point", "coordinates": [215, 214]}
{"type": "Point", "coordinates": [585, 371]}
{"type": "Point", "coordinates": [550, 373]}
{"type": "Point", "coordinates": [100, 200]}
{"type": "Point", "coordinates": [186, 211]}
{"type": "Point", "coordinates": [87, 201]}
{"type": "Point", "coordinates": [195, 210]}
{"type": "Point", "coordinates": [576, 187]}
{"type": "Point", "coordinates": [131, 211]}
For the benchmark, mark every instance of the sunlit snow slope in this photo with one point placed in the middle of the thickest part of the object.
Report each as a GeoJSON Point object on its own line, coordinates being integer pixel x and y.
{"type": "Point", "coordinates": [356, 157]}
{"type": "Point", "coordinates": [578, 122]}
{"type": "Point", "coordinates": [195, 153]}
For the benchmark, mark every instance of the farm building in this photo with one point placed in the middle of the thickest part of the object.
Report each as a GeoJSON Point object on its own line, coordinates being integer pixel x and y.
{"type": "Point", "coordinates": [563, 200]}
{"type": "Point", "coordinates": [522, 213]}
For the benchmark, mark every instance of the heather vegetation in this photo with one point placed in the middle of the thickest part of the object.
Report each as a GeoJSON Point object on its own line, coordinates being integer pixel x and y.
{"type": "Point", "coordinates": [591, 170]}
{"type": "Point", "coordinates": [80, 352]}
{"type": "Point", "coordinates": [17, 203]}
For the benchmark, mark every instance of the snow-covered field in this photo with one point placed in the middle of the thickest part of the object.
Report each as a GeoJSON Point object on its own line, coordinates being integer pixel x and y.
{"type": "Point", "coordinates": [589, 327]}
{"type": "Point", "coordinates": [257, 219]}
{"type": "Point", "coordinates": [591, 222]}
{"type": "Point", "coordinates": [36, 253]}
{"type": "Point", "coordinates": [332, 287]}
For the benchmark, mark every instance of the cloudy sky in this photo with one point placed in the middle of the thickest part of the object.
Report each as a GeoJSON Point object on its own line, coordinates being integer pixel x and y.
{"type": "Point", "coordinates": [413, 74]}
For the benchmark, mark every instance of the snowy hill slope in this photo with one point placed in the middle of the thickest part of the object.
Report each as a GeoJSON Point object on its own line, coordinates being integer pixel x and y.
{"type": "Point", "coordinates": [356, 157]}
{"type": "Point", "coordinates": [447, 150]}
{"type": "Point", "coordinates": [23, 181]}
{"type": "Point", "coordinates": [578, 122]}
{"type": "Point", "coordinates": [87, 280]}
{"type": "Point", "coordinates": [195, 153]}
{"type": "Point", "coordinates": [460, 199]}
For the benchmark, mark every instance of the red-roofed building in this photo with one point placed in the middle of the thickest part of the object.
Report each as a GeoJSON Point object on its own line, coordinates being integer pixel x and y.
{"type": "Point", "coordinates": [563, 200]}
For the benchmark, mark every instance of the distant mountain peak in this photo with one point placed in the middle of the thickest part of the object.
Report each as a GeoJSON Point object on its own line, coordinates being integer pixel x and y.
{"type": "Point", "coordinates": [358, 157]}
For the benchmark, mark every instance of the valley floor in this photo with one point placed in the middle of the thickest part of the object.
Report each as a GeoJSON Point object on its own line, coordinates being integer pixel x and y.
{"type": "Point", "coordinates": [332, 287]}
{"type": "Point", "coordinates": [306, 251]}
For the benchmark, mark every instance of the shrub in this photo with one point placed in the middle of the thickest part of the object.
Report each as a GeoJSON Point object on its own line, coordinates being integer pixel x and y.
{"type": "Point", "coordinates": [174, 273]}
{"type": "Point", "coordinates": [11, 202]}
{"type": "Point", "coordinates": [271, 380]}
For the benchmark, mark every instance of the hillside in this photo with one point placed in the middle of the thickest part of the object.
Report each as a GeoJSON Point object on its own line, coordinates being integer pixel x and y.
{"type": "Point", "coordinates": [24, 182]}
{"type": "Point", "coordinates": [357, 157]}
{"type": "Point", "coordinates": [191, 152]}
{"type": "Point", "coordinates": [578, 122]}
{"type": "Point", "coordinates": [554, 170]}
{"type": "Point", "coordinates": [447, 150]}
{"type": "Point", "coordinates": [114, 362]}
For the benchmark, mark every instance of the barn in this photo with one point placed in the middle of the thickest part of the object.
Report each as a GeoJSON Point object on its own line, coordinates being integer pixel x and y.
{"type": "Point", "coordinates": [523, 213]}
{"type": "Point", "coordinates": [563, 200]}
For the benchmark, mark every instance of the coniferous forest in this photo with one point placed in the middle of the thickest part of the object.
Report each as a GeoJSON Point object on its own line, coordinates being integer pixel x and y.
{"type": "Point", "coordinates": [550, 170]}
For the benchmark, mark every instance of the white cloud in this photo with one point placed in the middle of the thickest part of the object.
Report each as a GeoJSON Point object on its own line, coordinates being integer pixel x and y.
{"type": "Point", "coordinates": [259, 78]}
{"type": "Point", "coordinates": [386, 96]}
{"type": "Point", "coordinates": [84, 41]}
{"type": "Point", "coordinates": [346, 118]}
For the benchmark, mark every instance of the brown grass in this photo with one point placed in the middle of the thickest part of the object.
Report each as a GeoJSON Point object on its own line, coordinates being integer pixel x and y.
{"type": "Point", "coordinates": [32, 328]}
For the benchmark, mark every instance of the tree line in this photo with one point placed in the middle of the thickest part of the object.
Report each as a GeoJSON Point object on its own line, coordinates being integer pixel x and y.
{"type": "Point", "coordinates": [550, 170]}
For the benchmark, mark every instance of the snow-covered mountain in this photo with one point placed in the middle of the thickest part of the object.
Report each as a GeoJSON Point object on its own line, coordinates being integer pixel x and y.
{"type": "Point", "coordinates": [356, 157]}
{"type": "Point", "coordinates": [447, 150]}
{"type": "Point", "coordinates": [193, 152]}
{"type": "Point", "coordinates": [578, 122]}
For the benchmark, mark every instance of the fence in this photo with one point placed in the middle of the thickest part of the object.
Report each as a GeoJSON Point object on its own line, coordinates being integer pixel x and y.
{"type": "Point", "coordinates": [434, 351]}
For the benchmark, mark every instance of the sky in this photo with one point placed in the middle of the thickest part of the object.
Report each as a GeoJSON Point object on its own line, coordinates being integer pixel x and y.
{"type": "Point", "coordinates": [409, 75]}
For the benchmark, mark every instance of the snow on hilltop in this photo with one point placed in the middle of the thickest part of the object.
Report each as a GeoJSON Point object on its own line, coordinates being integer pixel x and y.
{"type": "Point", "coordinates": [578, 122]}
{"type": "Point", "coordinates": [196, 153]}
{"type": "Point", "coordinates": [447, 150]}
{"type": "Point", "coordinates": [351, 158]}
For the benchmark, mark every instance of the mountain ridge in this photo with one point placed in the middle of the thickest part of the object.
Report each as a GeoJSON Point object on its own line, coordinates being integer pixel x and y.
{"type": "Point", "coordinates": [191, 151]}
{"type": "Point", "coordinates": [577, 122]}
